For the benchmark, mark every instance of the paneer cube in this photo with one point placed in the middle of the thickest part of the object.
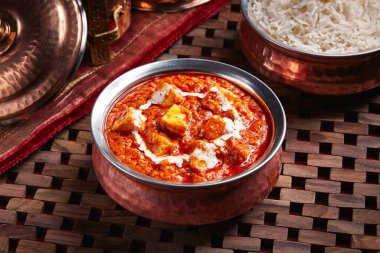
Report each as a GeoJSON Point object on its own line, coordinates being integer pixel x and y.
{"type": "Point", "coordinates": [176, 120]}
{"type": "Point", "coordinates": [217, 99]}
{"type": "Point", "coordinates": [214, 128]}
{"type": "Point", "coordinates": [167, 95]}
{"type": "Point", "coordinates": [160, 145]}
{"type": "Point", "coordinates": [228, 94]}
{"type": "Point", "coordinates": [238, 151]}
{"type": "Point", "coordinates": [173, 97]}
{"type": "Point", "coordinates": [129, 120]}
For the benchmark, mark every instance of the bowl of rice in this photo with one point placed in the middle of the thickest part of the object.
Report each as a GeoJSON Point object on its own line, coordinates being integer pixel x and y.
{"type": "Point", "coordinates": [329, 47]}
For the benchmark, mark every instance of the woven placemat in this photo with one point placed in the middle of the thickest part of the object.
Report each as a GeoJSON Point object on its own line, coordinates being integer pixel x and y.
{"type": "Point", "coordinates": [326, 200]}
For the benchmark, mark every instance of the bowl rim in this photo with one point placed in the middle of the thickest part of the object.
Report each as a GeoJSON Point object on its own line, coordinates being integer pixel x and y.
{"type": "Point", "coordinates": [256, 27]}
{"type": "Point", "coordinates": [131, 78]}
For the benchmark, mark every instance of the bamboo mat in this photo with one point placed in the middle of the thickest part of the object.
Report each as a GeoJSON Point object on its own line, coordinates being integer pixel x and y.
{"type": "Point", "coordinates": [326, 200]}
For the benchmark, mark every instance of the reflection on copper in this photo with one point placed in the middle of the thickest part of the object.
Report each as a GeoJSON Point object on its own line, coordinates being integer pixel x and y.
{"type": "Point", "coordinates": [294, 67]}
{"type": "Point", "coordinates": [145, 5]}
{"type": "Point", "coordinates": [294, 70]}
{"type": "Point", "coordinates": [61, 24]}
{"type": "Point", "coordinates": [166, 5]}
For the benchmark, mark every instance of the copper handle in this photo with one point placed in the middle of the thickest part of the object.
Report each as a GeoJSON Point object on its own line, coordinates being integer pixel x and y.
{"type": "Point", "coordinates": [7, 36]}
{"type": "Point", "coordinates": [5, 30]}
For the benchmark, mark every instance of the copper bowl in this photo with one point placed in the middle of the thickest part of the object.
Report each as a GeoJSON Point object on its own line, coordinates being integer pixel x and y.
{"type": "Point", "coordinates": [178, 202]}
{"type": "Point", "coordinates": [309, 72]}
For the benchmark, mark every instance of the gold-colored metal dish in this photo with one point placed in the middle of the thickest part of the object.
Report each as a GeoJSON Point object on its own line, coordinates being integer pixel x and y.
{"type": "Point", "coordinates": [108, 20]}
{"type": "Point", "coordinates": [41, 45]}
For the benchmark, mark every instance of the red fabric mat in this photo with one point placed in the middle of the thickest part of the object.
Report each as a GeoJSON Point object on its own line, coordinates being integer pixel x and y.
{"type": "Point", "coordinates": [149, 35]}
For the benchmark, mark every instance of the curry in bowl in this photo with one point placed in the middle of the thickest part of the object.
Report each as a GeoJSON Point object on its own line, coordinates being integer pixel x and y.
{"type": "Point", "coordinates": [188, 127]}
{"type": "Point", "coordinates": [187, 141]}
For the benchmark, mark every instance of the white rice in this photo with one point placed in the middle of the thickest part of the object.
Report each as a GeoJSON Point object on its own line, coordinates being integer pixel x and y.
{"type": "Point", "coordinates": [320, 26]}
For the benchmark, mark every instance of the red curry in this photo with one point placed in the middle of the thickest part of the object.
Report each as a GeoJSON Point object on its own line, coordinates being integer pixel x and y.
{"type": "Point", "coordinates": [188, 127]}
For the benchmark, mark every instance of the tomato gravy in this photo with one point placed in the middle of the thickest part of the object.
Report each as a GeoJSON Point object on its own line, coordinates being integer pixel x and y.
{"type": "Point", "coordinates": [188, 127]}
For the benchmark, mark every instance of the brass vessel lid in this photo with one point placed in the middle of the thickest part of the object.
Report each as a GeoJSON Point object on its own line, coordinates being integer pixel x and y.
{"type": "Point", "coordinates": [41, 46]}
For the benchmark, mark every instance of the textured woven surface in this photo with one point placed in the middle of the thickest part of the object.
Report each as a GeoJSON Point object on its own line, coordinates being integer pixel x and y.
{"type": "Point", "coordinates": [327, 198]}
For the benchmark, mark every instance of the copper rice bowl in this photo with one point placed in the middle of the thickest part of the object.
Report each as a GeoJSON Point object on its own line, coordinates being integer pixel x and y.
{"type": "Point", "coordinates": [324, 74]}
{"type": "Point", "coordinates": [183, 203]}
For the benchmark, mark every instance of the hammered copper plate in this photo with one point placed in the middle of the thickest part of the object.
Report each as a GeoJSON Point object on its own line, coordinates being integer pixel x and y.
{"type": "Point", "coordinates": [49, 45]}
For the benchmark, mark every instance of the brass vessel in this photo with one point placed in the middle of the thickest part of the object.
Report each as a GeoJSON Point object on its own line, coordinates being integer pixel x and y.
{"type": "Point", "coordinates": [107, 21]}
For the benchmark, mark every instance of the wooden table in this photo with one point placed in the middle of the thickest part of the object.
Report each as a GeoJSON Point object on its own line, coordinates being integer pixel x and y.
{"type": "Point", "coordinates": [326, 200]}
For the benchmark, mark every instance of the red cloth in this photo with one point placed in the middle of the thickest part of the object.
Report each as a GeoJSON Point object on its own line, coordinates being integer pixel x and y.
{"type": "Point", "coordinates": [149, 35]}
